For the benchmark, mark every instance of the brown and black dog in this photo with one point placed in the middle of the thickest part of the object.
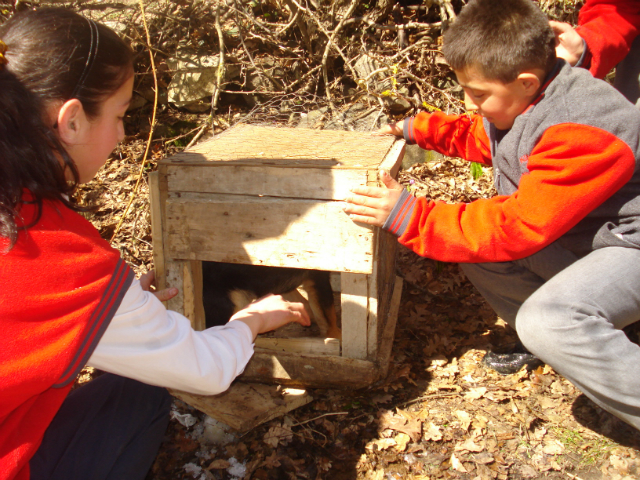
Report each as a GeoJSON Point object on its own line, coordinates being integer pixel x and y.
{"type": "Point", "coordinates": [228, 287]}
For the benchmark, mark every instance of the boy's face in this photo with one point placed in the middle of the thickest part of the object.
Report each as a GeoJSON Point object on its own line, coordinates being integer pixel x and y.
{"type": "Point", "coordinates": [500, 103]}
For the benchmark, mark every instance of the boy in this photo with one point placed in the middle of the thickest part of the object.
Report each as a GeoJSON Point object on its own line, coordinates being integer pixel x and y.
{"type": "Point", "coordinates": [557, 252]}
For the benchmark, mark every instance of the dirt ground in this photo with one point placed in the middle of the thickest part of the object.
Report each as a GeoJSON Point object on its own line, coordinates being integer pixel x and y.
{"type": "Point", "coordinates": [439, 413]}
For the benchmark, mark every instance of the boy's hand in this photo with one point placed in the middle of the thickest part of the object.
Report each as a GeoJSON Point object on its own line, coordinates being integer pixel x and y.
{"type": "Point", "coordinates": [372, 205]}
{"type": "Point", "coordinates": [271, 312]}
{"type": "Point", "coordinates": [391, 129]}
{"type": "Point", "coordinates": [568, 42]}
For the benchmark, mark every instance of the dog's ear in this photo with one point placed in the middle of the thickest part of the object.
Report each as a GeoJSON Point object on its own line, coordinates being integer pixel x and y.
{"type": "Point", "coordinates": [241, 298]}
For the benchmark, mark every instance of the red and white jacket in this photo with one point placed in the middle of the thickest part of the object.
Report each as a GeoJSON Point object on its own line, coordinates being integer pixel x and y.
{"type": "Point", "coordinates": [67, 299]}
{"type": "Point", "coordinates": [608, 28]}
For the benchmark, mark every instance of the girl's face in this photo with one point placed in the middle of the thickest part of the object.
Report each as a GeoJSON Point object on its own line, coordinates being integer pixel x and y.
{"type": "Point", "coordinates": [99, 136]}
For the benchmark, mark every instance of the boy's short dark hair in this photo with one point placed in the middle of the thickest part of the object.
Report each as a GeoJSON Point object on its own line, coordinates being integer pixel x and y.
{"type": "Point", "coordinates": [501, 39]}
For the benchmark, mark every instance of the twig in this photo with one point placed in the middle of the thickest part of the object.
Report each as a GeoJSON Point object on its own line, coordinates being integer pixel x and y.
{"type": "Point", "coordinates": [428, 397]}
{"type": "Point", "coordinates": [572, 476]}
{"type": "Point", "coordinates": [331, 43]}
{"type": "Point", "coordinates": [153, 123]}
{"type": "Point", "coordinates": [394, 28]}
{"type": "Point", "coordinates": [301, 25]}
{"type": "Point", "coordinates": [316, 418]}
{"type": "Point", "coordinates": [273, 81]}
{"type": "Point", "coordinates": [288, 88]}
{"type": "Point", "coordinates": [197, 136]}
{"type": "Point", "coordinates": [220, 70]}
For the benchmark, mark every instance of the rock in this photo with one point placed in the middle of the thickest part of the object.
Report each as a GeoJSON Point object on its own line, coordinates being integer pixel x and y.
{"type": "Point", "coordinates": [414, 154]}
{"type": "Point", "coordinates": [353, 118]}
{"type": "Point", "coordinates": [364, 67]}
{"type": "Point", "coordinates": [194, 80]}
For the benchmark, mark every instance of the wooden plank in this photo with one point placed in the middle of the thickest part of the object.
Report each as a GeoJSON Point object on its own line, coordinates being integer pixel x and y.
{"type": "Point", "coordinates": [266, 231]}
{"type": "Point", "coordinates": [317, 371]}
{"type": "Point", "coordinates": [174, 274]}
{"type": "Point", "coordinates": [354, 302]}
{"type": "Point", "coordinates": [309, 345]}
{"type": "Point", "coordinates": [295, 147]}
{"type": "Point", "coordinates": [386, 249]}
{"type": "Point", "coordinates": [393, 161]}
{"type": "Point", "coordinates": [192, 286]}
{"type": "Point", "coordinates": [246, 405]}
{"type": "Point", "coordinates": [334, 278]}
{"type": "Point", "coordinates": [156, 229]}
{"type": "Point", "coordinates": [372, 306]}
{"type": "Point", "coordinates": [274, 181]}
{"type": "Point", "coordinates": [388, 334]}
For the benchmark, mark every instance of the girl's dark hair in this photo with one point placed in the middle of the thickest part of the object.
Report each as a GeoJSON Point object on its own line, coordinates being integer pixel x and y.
{"type": "Point", "coordinates": [59, 55]}
{"type": "Point", "coordinates": [52, 55]}
{"type": "Point", "coordinates": [31, 157]}
{"type": "Point", "coordinates": [500, 38]}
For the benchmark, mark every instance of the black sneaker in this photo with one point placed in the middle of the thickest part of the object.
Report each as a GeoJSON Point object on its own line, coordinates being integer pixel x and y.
{"type": "Point", "coordinates": [511, 359]}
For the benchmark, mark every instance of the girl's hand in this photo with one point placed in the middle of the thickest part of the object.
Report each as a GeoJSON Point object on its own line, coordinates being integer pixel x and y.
{"type": "Point", "coordinates": [146, 281]}
{"type": "Point", "coordinates": [372, 205]}
{"type": "Point", "coordinates": [271, 312]}
{"type": "Point", "coordinates": [569, 43]}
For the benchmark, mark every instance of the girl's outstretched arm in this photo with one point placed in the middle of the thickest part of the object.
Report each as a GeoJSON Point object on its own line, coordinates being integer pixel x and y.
{"type": "Point", "coordinates": [149, 343]}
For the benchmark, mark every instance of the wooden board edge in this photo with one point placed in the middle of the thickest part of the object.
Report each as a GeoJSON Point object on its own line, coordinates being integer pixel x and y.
{"type": "Point", "coordinates": [388, 333]}
{"type": "Point", "coordinates": [354, 303]}
{"type": "Point", "coordinates": [193, 306]}
{"type": "Point", "coordinates": [312, 345]}
{"type": "Point", "coordinates": [314, 371]}
{"type": "Point", "coordinates": [156, 229]}
{"type": "Point", "coordinates": [393, 160]}
{"type": "Point", "coordinates": [244, 406]}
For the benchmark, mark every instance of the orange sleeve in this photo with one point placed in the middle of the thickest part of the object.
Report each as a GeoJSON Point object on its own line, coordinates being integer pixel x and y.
{"type": "Point", "coordinates": [567, 179]}
{"type": "Point", "coordinates": [453, 135]}
{"type": "Point", "coordinates": [609, 27]}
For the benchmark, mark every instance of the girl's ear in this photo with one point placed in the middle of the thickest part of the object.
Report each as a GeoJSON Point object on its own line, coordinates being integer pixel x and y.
{"type": "Point", "coordinates": [71, 122]}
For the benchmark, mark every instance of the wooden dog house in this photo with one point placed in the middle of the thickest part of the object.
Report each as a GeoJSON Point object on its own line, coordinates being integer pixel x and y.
{"type": "Point", "coordinates": [271, 196]}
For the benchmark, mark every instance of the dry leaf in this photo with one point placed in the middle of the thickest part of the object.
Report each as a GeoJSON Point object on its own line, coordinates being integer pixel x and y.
{"type": "Point", "coordinates": [619, 463]}
{"type": "Point", "coordinates": [278, 435]}
{"type": "Point", "coordinates": [271, 461]}
{"type": "Point", "coordinates": [219, 464]}
{"type": "Point", "coordinates": [469, 445]}
{"type": "Point", "coordinates": [553, 447]}
{"type": "Point", "coordinates": [381, 443]}
{"type": "Point", "coordinates": [382, 398]}
{"type": "Point", "coordinates": [475, 393]}
{"type": "Point", "coordinates": [388, 420]}
{"type": "Point", "coordinates": [402, 439]}
{"type": "Point", "coordinates": [465, 419]}
{"type": "Point", "coordinates": [432, 432]}
{"type": "Point", "coordinates": [457, 464]}
{"type": "Point", "coordinates": [483, 458]}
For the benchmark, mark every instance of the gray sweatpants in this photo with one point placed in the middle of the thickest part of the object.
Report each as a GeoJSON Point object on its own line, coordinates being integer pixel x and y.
{"type": "Point", "coordinates": [570, 312]}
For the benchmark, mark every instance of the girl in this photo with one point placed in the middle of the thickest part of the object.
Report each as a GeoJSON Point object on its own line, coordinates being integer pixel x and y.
{"type": "Point", "coordinates": [66, 298]}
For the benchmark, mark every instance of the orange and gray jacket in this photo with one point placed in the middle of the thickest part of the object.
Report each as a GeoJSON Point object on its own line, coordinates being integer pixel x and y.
{"type": "Point", "coordinates": [566, 170]}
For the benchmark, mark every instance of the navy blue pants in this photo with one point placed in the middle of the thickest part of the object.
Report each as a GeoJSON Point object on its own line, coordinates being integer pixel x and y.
{"type": "Point", "coordinates": [108, 429]}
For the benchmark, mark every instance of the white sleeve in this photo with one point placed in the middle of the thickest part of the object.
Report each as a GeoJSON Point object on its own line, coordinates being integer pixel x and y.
{"type": "Point", "coordinates": [149, 343]}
